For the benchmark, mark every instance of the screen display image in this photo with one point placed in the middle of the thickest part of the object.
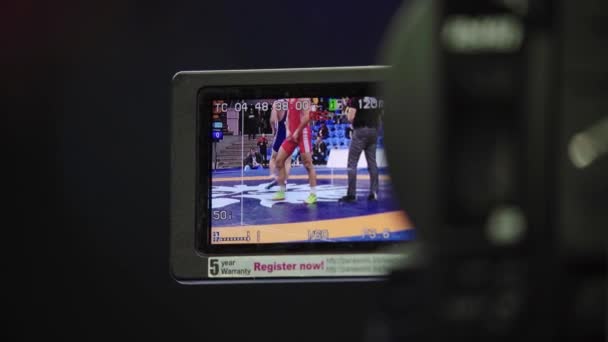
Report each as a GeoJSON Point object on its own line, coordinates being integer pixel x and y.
{"type": "Point", "coordinates": [279, 172]}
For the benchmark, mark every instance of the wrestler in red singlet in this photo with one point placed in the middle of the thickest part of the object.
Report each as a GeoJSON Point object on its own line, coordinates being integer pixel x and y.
{"type": "Point", "coordinates": [304, 140]}
{"type": "Point", "coordinates": [298, 134]}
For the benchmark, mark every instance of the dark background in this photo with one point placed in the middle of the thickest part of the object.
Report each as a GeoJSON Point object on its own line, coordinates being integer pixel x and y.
{"type": "Point", "coordinates": [93, 81]}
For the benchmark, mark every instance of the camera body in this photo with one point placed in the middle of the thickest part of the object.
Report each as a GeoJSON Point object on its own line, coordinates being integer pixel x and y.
{"type": "Point", "coordinates": [476, 128]}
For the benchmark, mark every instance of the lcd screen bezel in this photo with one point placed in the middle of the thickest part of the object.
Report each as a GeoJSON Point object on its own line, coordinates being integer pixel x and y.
{"type": "Point", "coordinates": [188, 265]}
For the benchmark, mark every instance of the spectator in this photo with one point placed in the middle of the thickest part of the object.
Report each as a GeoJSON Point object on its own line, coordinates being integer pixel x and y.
{"type": "Point", "coordinates": [263, 145]}
{"type": "Point", "coordinates": [251, 124]}
{"type": "Point", "coordinates": [323, 131]}
{"type": "Point", "coordinates": [319, 152]}
{"type": "Point", "coordinates": [261, 122]}
{"type": "Point", "coordinates": [252, 161]}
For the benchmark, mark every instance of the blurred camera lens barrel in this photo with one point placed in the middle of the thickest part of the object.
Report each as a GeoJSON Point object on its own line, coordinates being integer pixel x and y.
{"type": "Point", "coordinates": [461, 108]}
{"type": "Point", "coordinates": [412, 122]}
{"type": "Point", "coordinates": [478, 100]}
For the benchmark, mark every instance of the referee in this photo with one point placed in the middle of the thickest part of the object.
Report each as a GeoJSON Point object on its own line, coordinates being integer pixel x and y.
{"type": "Point", "coordinates": [364, 114]}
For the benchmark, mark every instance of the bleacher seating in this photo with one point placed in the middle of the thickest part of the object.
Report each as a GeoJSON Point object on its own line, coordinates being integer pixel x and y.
{"type": "Point", "coordinates": [337, 135]}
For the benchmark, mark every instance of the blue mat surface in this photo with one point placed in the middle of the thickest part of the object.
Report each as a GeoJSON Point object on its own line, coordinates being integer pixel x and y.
{"type": "Point", "coordinates": [247, 201]}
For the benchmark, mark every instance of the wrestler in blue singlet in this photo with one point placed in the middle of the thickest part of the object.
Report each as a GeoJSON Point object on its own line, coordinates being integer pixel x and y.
{"type": "Point", "coordinates": [281, 133]}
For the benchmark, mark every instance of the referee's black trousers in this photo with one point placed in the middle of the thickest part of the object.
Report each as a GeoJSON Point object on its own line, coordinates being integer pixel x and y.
{"type": "Point", "coordinates": [364, 140]}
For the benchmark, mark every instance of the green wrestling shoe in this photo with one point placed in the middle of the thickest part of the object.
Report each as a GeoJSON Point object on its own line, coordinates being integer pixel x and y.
{"type": "Point", "coordinates": [279, 195]}
{"type": "Point", "coordinates": [312, 199]}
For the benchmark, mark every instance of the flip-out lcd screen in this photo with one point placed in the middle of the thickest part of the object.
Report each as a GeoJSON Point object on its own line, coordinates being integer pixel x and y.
{"type": "Point", "coordinates": [293, 167]}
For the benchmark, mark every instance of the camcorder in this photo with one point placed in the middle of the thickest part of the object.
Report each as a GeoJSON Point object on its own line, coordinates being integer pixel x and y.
{"type": "Point", "coordinates": [466, 173]}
